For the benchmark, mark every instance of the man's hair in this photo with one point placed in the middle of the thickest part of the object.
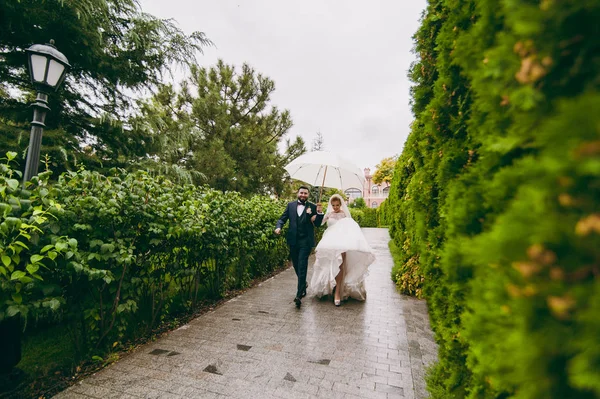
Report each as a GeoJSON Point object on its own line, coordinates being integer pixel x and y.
{"type": "Point", "coordinates": [303, 187]}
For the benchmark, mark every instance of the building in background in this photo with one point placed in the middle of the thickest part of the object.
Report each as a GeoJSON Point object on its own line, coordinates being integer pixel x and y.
{"type": "Point", "coordinates": [373, 194]}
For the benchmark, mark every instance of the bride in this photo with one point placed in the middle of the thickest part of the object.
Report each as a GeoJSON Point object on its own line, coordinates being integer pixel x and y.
{"type": "Point", "coordinates": [342, 256]}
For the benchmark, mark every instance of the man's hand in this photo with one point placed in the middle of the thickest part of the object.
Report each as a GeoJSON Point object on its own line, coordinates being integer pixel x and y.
{"type": "Point", "coordinates": [319, 208]}
{"type": "Point", "coordinates": [277, 231]}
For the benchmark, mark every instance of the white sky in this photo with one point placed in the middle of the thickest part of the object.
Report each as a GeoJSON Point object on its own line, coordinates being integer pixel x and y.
{"type": "Point", "coordinates": [339, 66]}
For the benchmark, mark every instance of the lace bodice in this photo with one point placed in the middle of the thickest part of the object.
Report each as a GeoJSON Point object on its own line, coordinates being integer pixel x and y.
{"type": "Point", "coordinates": [332, 218]}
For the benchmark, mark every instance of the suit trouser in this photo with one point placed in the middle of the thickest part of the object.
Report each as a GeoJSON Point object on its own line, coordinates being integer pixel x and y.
{"type": "Point", "coordinates": [299, 255]}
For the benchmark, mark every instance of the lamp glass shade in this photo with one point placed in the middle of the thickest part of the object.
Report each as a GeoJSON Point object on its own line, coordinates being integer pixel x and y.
{"type": "Point", "coordinates": [55, 72]}
{"type": "Point", "coordinates": [38, 67]}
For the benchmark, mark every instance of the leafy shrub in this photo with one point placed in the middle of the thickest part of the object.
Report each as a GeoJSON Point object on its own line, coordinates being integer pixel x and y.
{"type": "Point", "coordinates": [33, 257]}
{"type": "Point", "coordinates": [358, 203]}
{"type": "Point", "coordinates": [366, 217]}
{"type": "Point", "coordinates": [123, 252]}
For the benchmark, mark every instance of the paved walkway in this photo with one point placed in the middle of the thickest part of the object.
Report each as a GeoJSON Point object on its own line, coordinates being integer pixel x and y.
{"type": "Point", "coordinates": [259, 345]}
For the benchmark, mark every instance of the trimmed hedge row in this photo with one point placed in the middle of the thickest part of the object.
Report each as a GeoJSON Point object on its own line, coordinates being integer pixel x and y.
{"type": "Point", "coordinates": [365, 217]}
{"type": "Point", "coordinates": [112, 256]}
{"type": "Point", "coordinates": [494, 201]}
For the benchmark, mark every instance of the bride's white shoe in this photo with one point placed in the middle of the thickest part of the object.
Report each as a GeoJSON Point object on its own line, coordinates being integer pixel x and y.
{"type": "Point", "coordinates": [337, 302]}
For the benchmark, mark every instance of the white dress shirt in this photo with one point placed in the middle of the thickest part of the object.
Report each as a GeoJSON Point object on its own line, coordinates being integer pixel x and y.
{"type": "Point", "coordinates": [300, 208]}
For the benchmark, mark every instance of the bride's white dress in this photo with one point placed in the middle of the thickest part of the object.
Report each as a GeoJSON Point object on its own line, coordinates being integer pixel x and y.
{"type": "Point", "coordinates": [343, 234]}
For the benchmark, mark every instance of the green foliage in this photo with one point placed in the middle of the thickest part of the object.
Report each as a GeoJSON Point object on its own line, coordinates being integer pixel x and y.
{"type": "Point", "coordinates": [46, 350]}
{"type": "Point", "coordinates": [31, 254]}
{"type": "Point", "coordinates": [116, 254]}
{"type": "Point", "coordinates": [114, 48]}
{"type": "Point", "coordinates": [406, 273]}
{"type": "Point", "coordinates": [158, 245]}
{"type": "Point", "coordinates": [494, 201]}
{"type": "Point", "coordinates": [358, 203]}
{"type": "Point", "coordinates": [384, 171]}
{"type": "Point", "coordinates": [366, 217]}
{"type": "Point", "coordinates": [384, 214]}
{"type": "Point", "coordinates": [222, 124]}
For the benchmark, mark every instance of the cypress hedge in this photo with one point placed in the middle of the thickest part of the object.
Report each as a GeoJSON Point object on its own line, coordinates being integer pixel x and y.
{"type": "Point", "coordinates": [494, 201]}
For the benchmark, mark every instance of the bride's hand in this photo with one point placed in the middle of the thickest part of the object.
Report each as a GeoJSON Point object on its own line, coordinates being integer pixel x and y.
{"type": "Point", "coordinates": [312, 219]}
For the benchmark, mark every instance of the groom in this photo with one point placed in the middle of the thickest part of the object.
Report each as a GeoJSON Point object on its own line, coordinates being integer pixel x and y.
{"type": "Point", "coordinates": [303, 217]}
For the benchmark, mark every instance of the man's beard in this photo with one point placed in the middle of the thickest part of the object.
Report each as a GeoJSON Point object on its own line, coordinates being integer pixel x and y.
{"type": "Point", "coordinates": [302, 200]}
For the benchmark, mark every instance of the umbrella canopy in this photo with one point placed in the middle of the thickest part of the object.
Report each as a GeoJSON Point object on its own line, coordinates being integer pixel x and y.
{"type": "Point", "coordinates": [326, 169]}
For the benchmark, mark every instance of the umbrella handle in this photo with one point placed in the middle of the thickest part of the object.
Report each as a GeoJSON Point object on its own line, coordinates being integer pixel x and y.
{"type": "Point", "coordinates": [322, 184]}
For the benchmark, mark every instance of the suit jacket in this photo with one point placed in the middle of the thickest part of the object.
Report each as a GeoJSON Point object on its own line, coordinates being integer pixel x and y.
{"type": "Point", "coordinates": [301, 231]}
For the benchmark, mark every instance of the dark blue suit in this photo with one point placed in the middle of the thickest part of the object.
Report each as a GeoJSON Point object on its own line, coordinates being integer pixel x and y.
{"type": "Point", "coordinates": [300, 237]}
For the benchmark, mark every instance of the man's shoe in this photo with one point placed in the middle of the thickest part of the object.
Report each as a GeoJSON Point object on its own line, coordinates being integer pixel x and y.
{"type": "Point", "coordinates": [303, 293]}
{"type": "Point", "coordinates": [298, 302]}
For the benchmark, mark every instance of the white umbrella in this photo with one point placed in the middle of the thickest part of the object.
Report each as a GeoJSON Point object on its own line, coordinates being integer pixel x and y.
{"type": "Point", "coordinates": [326, 169]}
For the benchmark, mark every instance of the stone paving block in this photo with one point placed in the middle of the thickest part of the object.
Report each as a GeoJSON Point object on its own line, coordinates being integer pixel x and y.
{"type": "Point", "coordinates": [216, 388]}
{"type": "Point", "coordinates": [127, 396]}
{"type": "Point", "coordinates": [400, 382]}
{"type": "Point", "coordinates": [363, 383]}
{"type": "Point", "coordinates": [400, 369]}
{"type": "Point", "coordinates": [371, 394]}
{"type": "Point", "coordinates": [388, 374]}
{"type": "Point", "coordinates": [373, 349]}
{"type": "Point", "coordinates": [346, 388]}
{"type": "Point", "coordinates": [377, 365]}
{"type": "Point", "coordinates": [389, 389]}
{"type": "Point", "coordinates": [287, 393]}
{"type": "Point", "coordinates": [156, 394]}
{"type": "Point", "coordinates": [69, 394]}
{"type": "Point", "coordinates": [312, 373]}
{"type": "Point", "coordinates": [388, 361]}
{"type": "Point", "coordinates": [374, 378]}
{"type": "Point", "coordinates": [330, 394]}
{"type": "Point", "coordinates": [95, 391]}
{"type": "Point", "coordinates": [321, 383]}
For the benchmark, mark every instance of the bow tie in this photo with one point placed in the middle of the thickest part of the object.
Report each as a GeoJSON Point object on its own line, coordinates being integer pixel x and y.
{"type": "Point", "coordinates": [302, 203]}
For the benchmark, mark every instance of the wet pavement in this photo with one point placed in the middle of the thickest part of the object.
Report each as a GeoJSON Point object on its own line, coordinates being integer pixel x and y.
{"type": "Point", "coordinates": [258, 345]}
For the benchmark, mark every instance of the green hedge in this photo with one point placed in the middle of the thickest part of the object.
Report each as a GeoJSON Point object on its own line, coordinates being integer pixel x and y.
{"type": "Point", "coordinates": [113, 256]}
{"type": "Point", "coordinates": [384, 217]}
{"type": "Point", "coordinates": [365, 217]}
{"type": "Point", "coordinates": [494, 200]}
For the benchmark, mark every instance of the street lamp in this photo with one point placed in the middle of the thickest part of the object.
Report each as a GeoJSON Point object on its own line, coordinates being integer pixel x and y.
{"type": "Point", "coordinates": [47, 69]}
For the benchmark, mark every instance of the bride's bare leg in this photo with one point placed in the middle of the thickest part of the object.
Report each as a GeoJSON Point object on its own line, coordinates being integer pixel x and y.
{"type": "Point", "coordinates": [339, 279]}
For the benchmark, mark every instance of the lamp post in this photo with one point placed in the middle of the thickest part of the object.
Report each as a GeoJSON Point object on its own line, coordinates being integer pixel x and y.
{"type": "Point", "coordinates": [47, 69]}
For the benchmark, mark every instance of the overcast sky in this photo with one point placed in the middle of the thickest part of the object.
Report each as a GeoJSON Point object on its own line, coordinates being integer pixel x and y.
{"type": "Point", "coordinates": [339, 66]}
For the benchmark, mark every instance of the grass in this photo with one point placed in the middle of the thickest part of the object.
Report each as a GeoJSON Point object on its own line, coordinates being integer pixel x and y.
{"type": "Point", "coordinates": [48, 357]}
{"type": "Point", "coordinates": [46, 351]}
